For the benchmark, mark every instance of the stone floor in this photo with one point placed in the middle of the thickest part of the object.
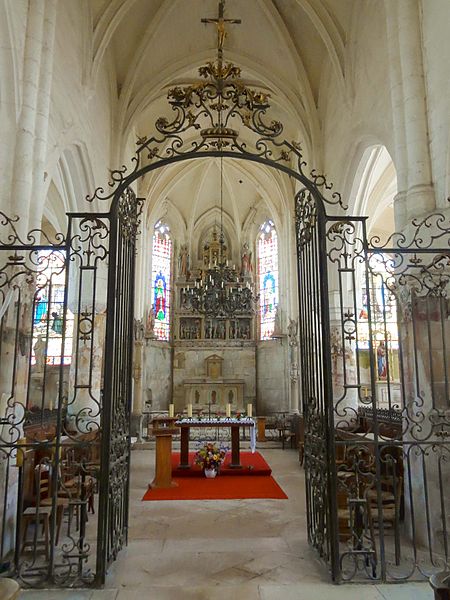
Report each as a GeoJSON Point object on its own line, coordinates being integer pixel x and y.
{"type": "Point", "coordinates": [217, 550]}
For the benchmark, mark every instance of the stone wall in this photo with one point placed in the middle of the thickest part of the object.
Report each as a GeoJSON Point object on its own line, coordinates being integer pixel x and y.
{"type": "Point", "coordinates": [272, 377]}
{"type": "Point", "coordinates": [157, 380]}
{"type": "Point", "coordinates": [238, 363]}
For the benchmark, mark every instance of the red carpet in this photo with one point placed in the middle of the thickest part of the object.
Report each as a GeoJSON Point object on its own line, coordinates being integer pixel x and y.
{"type": "Point", "coordinates": [254, 480]}
{"type": "Point", "coordinates": [252, 464]}
{"type": "Point", "coordinates": [220, 488]}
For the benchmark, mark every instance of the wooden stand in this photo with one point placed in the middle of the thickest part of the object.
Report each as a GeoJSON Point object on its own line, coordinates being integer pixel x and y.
{"type": "Point", "coordinates": [261, 433]}
{"type": "Point", "coordinates": [163, 430]}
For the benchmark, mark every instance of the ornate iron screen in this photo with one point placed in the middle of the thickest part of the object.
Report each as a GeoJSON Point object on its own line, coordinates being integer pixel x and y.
{"type": "Point", "coordinates": [374, 351]}
{"type": "Point", "coordinates": [389, 349]}
{"type": "Point", "coordinates": [65, 402]}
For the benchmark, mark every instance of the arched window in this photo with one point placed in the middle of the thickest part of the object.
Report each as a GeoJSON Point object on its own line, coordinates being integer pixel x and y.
{"type": "Point", "coordinates": [161, 275]}
{"type": "Point", "coordinates": [268, 278]}
{"type": "Point", "coordinates": [48, 311]}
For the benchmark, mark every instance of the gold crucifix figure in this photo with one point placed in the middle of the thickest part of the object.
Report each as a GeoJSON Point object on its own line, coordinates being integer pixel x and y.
{"type": "Point", "coordinates": [220, 24]}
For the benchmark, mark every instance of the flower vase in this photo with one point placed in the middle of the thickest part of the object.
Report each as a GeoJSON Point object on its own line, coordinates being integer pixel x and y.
{"type": "Point", "coordinates": [210, 473]}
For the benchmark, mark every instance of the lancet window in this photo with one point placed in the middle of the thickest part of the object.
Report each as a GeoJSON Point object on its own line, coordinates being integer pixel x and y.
{"type": "Point", "coordinates": [268, 278]}
{"type": "Point", "coordinates": [161, 280]}
{"type": "Point", "coordinates": [383, 322]}
{"type": "Point", "coordinates": [48, 311]}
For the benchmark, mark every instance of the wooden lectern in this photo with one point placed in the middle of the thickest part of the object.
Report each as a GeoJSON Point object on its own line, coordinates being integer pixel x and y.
{"type": "Point", "coordinates": [163, 430]}
{"type": "Point", "coordinates": [261, 436]}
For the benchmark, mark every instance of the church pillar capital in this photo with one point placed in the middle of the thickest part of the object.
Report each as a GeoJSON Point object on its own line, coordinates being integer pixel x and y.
{"type": "Point", "coordinates": [400, 210]}
{"type": "Point", "coordinates": [420, 201]}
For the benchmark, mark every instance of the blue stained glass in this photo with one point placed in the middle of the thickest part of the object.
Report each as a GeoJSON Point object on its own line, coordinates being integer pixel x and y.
{"type": "Point", "coordinates": [268, 279]}
{"type": "Point", "coordinates": [159, 302]}
{"type": "Point", "coordinates": [161, 280]}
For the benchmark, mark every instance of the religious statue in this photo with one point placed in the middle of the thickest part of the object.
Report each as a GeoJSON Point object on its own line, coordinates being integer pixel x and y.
{"type": "Point", "coordinates": [183, 262]}
{"type": "Point", "coordinates": [246, 261]}
{"type": "Point", "coordinates": [277, 323]}
{"type": "Point", "coordinates": [293, 331]}
{"type": "Point", "coordinates": [139, 330]}
{"type": "Point", "coordinates": [40, 350]}
{"type": "Point", "coordinates": [150, 324]}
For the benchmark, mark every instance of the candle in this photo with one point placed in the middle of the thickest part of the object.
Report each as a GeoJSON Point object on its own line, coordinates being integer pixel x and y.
{"type": "Point", "coordinates": [171, 410]}
{"type": "Point", "coordinates": [189, 411]}
{"type": "Point", "coordinates": [249, 409]}
{"type": "Point", "coordinates": [20, 456]}
{"type": "Point", "coordinates": [228, 410]}
{"type": "Point", "coordinates": [366, 393]}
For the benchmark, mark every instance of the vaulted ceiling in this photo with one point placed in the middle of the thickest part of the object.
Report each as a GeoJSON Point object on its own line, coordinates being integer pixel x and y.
{"type": "Point", "coordinates": [286, 47]}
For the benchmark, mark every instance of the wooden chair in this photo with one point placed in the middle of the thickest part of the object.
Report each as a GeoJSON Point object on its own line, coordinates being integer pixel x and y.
{"type": "Point", "coordinates": [286, 431]}
{"type": "Point", "coordinates": [39, 514]}
{"type": "Point", "coordinates": [354, 522]}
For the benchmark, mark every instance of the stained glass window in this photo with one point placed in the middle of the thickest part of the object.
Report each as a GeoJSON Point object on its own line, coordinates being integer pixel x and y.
{"type": "Point", "coordinates": [48, 311]}
{"type": "Point", "coordinates": [268, 278]}
{"type": "Point", "coordinates": [384, 328]}
{"type": "Point", "coordinates": [161, 272]}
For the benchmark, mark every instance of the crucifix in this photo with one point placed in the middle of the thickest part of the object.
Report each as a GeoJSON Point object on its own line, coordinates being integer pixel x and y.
{"type": "Point", "coordinates": [220, 24]}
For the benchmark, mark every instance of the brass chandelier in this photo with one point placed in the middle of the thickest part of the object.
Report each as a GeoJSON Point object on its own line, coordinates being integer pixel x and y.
{"type": "Point", "coordinates": [220, 291]}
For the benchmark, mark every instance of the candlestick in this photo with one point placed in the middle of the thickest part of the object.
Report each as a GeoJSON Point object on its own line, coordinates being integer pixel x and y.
{"type": "Point", "coordinates": [171, 410]}
{"type": "Point", "coordinates": [249, 410]}
{"type": "Point", "coordinates": [189, 411]}
{"type": "Point", "coordinates": [228, 410]}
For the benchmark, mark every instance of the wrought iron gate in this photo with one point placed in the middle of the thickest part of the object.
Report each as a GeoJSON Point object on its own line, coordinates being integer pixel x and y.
{"type": "Point", "coordinates": [64, 431]}
{"type": "Point", "coordinates": [375, 364]}
{"type": "Point", "coordinates": [315, 372]}
{"type": "Point", "coordinates": [114, 480]}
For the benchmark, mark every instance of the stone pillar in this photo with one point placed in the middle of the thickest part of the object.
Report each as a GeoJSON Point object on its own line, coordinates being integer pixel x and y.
{"type": "Point", "coordinates": [22, 182]}
{"type": "Point", "coordinates": [400, 159]}
{"type": "Point", "coordinates": [42, 114]}
{"type": "Point", "coordinates": [409, 110]}
{"type": "Point", "coordinates": [424, 329]}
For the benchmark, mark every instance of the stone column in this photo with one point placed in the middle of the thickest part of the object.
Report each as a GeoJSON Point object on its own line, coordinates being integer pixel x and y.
{"type": "Point", "coordinates": [401, 162]}
{"type": "Point", "coordinates": [42, 114]}
{"type": "Point", "coordinates": [409, 110]}
{"type": "Point", "coordinates": [22, 182]}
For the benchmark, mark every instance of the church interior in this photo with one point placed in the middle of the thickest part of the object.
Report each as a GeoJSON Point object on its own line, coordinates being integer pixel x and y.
{"type": "Point", "coordinates": [224, 299]}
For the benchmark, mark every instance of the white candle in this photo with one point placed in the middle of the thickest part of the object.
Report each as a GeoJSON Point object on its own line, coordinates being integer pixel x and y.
{"type": "Point", "coordinates": [228, 410]}
{"type": "Point", "coordinates": [189, 411]}
{"type": "Point", "coordinates": [249, 410]}
{"type": "Point", "coordinates": [171, 410]}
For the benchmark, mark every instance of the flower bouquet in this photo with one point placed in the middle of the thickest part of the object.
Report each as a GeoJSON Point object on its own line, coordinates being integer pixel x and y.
{"type": "Point", "coordinates": [210, 457]}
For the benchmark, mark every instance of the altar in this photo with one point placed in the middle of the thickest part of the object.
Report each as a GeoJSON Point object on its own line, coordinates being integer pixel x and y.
{"type": "Point", "coordinates": [233, 423]}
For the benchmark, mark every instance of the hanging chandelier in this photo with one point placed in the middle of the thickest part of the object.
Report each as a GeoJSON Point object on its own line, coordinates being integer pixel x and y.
{"type": "Point", "coordinates": [220, 290]}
